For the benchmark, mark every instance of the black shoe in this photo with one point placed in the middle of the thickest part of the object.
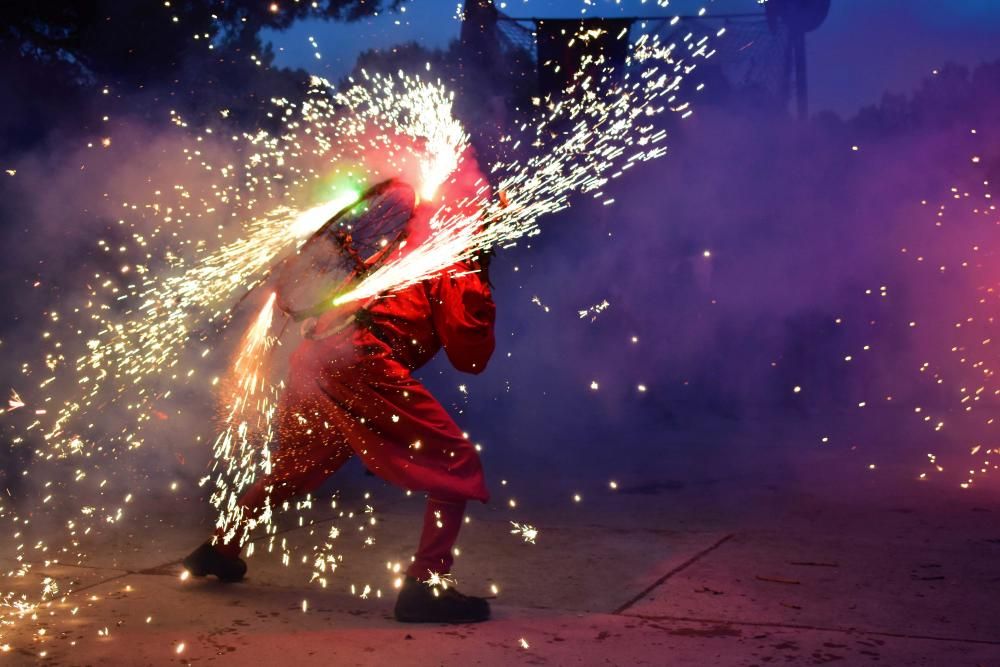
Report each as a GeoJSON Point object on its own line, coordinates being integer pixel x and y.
{"type": "Point", "coordinates": [421, 603]}
{"type": "Point", "coordinates": [206, 560]}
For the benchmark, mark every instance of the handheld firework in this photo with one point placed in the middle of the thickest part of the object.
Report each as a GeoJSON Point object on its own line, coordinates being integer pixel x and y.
{"type": "Point", "coordinates": [357, 240]}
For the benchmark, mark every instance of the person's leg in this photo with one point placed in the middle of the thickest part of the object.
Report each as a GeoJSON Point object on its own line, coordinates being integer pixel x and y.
{"type": "Point", "coordinates": [309, 449]}
{"type": "Point", "coordinates": [273, 490]}
{"type": "Point", "coordinates": [426, 596]}
{"type": "Point", "coordinates": [442, 522]}
{"type": "Point", "coordinates": [404, 436]}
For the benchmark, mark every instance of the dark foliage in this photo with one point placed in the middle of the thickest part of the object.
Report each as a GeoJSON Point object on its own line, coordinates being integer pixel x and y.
{"type": "Point", "coordinates": [195, 55]}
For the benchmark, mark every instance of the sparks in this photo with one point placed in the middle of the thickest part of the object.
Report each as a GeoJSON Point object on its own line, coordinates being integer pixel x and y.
{"type": "Point", "coordinates": [143, 331]}
{"type": "Point", "coordinates": [526, 531]}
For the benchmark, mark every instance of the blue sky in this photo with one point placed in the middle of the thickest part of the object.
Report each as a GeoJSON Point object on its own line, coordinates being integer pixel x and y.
{"type": "Point", "coordinates": [864, 48]}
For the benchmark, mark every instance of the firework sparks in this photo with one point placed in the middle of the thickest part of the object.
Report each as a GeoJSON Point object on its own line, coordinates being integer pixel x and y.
{"type": "Point", "coordinates": [439, 580]}
{"type": "Point", "coordinates": [954, 337]}
{"type": "Point", "coordinates": [538, 302]}
{"type": "Point", "coordinates": [242, 447]}
{"type": "Point", "coordinates": [144, 331]}
{"type": "Point", "coordinates": [610, 129]}
{"type": "Point", "coordinates": [594, 310]}
{"type": "Point", "coordinates": [526, 531]}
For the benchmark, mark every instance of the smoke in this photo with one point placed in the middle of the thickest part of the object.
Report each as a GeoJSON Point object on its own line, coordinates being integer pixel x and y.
{"type": "Point", "coordinates": [74, 212]}
{"type": "Point", "coordinates": [748, 262]}
{"type": "Point", "coordinates": [741, 273]}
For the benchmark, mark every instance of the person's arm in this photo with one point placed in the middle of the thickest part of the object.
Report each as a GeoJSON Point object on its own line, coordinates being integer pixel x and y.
{"type": "Point", "coordinates": [464, 315]}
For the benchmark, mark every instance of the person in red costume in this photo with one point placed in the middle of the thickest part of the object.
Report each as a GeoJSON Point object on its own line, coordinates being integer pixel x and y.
{"type": "Point", "coordinates": [352, 392]}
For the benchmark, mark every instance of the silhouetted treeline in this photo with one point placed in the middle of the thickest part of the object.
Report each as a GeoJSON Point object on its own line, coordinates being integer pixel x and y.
{"type": "Point", "coordinates": [191, 55]}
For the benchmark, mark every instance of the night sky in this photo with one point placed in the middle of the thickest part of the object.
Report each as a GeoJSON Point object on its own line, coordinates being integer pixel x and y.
{"type": "Point", "coordinates": [865, 47]}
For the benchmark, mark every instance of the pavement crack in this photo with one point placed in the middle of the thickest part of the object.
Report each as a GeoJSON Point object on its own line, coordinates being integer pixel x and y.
{"type": "Point", "coordinates": [100, 583]}
{"type": "Point", "coordinates": [816, 628]}
{"type": "Point", "coordinates": [683, 566]}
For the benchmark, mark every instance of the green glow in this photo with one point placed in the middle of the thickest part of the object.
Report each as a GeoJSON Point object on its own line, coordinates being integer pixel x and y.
{"type": "Point", "coordinates": [341, 185]}
{"type": "Point", "coordinates": [344, 196]}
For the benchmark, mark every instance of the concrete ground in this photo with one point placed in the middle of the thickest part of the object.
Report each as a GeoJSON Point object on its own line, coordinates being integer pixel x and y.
{"type": "Point", "coordinates": [727, 567]}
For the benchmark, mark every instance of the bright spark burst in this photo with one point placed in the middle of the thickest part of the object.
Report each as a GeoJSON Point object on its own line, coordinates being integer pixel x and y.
{"type": "Point", "coordinates": [439, 580]}
{"type": "Point", "coordinates": [594, 310]}
{"type": "Point", "coordinates": [603, 128]}
{"type": "Point", "coordinates": [526, 531]}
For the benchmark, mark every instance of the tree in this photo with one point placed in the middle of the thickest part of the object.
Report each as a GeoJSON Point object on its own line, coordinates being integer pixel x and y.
{"type": "Point", "coordinates": [197, 55]}
{"type": "Point", "coordinates": [143, 41]}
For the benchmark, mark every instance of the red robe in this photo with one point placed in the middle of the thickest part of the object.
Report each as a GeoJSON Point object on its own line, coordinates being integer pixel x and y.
{"type": "Point", "coordinates": [353, 393]}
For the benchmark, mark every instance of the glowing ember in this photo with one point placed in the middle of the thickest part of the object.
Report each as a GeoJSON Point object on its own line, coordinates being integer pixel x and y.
{"type": "Point", "coordinates": [527, 531]}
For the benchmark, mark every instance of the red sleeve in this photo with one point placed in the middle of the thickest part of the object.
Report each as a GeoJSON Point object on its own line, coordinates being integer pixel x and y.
{"type": "Point", "coordinates": [464, 314]}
